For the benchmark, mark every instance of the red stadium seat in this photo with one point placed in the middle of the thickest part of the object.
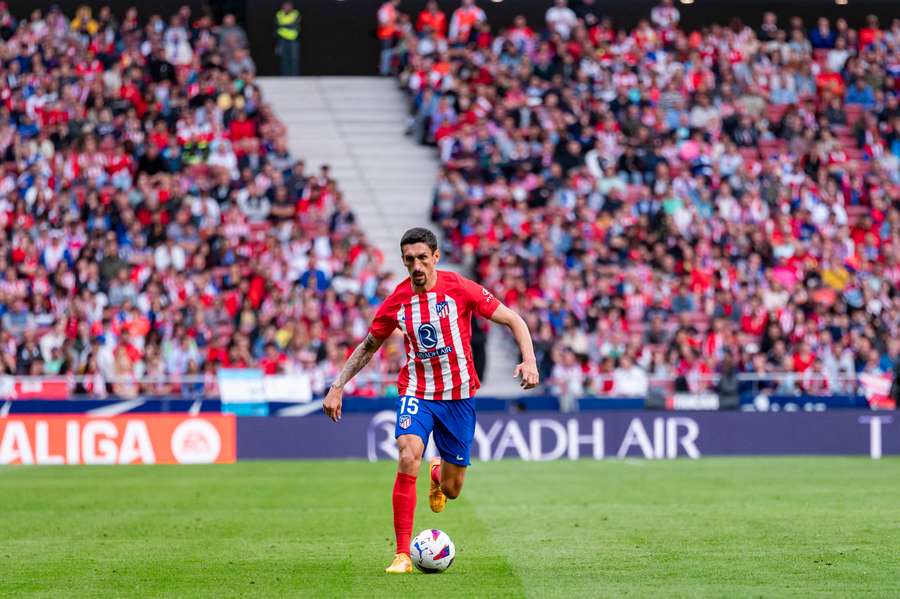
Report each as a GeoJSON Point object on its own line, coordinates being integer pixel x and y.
{"type": "Point", "coordinates": [841, 130]}
{"type": "Point", "coordinates": [854, 113]}
{"type": "Point", "coordinates": [749, 154]}
{"type": "Point", "coordinates": [775, 112]}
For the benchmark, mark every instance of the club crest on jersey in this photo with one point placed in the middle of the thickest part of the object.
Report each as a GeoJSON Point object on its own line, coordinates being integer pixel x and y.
{"type": "Point", "coordinates": [404, 421]}
{"type": "Point", "coordinates": [443, 309]}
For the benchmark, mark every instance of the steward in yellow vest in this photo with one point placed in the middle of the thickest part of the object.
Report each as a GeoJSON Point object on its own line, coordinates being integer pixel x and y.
{"type": "Point", "coordinates": [287, 34]}
{"type": "Point", "coordinates": [288, 23]}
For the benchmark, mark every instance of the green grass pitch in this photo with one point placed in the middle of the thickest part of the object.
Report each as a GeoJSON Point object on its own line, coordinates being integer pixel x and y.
{"type": "Point", "coordinates": [714, 527]}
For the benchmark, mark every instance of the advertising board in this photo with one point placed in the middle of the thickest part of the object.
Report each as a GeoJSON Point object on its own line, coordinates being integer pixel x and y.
{"type": "Point", "coordinates": [553, 436]}
{"type": "Point", "coordinates": [152, 439]}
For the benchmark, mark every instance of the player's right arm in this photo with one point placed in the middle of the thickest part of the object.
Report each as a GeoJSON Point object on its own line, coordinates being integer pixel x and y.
{"type": "Point", "coordinates": [357, 360]}
{"type": "Point", "coordinates": [383, 325]}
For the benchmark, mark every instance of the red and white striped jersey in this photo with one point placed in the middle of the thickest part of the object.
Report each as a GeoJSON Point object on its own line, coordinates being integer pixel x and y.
{"type": "Point", "coordinates": [437, 326]}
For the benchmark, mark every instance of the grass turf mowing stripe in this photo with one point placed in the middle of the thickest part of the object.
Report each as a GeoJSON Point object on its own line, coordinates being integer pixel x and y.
{"type": "Point", "coordinates": [479, 544]}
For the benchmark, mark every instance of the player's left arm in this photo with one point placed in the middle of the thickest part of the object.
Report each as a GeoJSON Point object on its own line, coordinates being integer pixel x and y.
{"type": "Point", "coordinates": [528, 367]}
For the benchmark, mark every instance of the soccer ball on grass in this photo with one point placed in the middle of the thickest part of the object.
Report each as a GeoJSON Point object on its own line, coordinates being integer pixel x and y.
{"type": "Point", "coordinates": [432, 551]}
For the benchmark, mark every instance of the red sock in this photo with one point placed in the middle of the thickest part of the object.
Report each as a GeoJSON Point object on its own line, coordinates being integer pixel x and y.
{"type": "Point", "coordinates": [404, 500]}
{"type": "Point", "coordinates": [436, 474]}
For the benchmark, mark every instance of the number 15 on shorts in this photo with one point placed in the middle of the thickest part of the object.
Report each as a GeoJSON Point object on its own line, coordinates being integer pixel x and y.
{"type": "Point", "coordinates": [409, 405]}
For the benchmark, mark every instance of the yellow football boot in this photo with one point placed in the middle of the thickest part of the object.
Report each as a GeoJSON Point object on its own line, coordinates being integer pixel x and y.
{"type": "Point", "coordinates": [402, 564]}
{"type": "Point", "coordinates": [436, 498]}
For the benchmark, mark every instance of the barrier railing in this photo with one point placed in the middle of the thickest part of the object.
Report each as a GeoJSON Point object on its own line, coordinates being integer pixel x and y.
{"type": "Point", "coordinates": [96, 386]}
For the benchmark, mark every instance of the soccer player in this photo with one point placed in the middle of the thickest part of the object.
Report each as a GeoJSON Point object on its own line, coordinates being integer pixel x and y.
{"type": "Point", "coordinates": [433, 308]}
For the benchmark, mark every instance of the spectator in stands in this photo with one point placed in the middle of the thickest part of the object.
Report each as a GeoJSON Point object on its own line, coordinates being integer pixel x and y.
{"type": "Point", "coordinates": [822, 37]}
{"type": "Point", "coordinates": [387, 33]}
{"type": "Point", "coordinates": [273, 362]}
{"type": "Point", "coordinates": [231, 38]}
{"type": "Point", "coordinates": [465, 20]}
{"type": "Point", "coordinates": [860, 93]}
{"type": "Point", "coordinates": [567, 380]}
{"type": "Point", "coordinates": [561, 19]}
{"type": "Point", "coordinates": [665, 17]}
{"type": "Point", "coordinates": [241, 65]}
{"type": "Point", "coordinates": [629, 379]}
{"type": "Point", "coordinates": [728, 386]}
{"type": "Point", "coordinates": [838, 55]}
{"type": "Point", "coordinates": [432, 20]}
{"type": "Point", "coordinates": [769, 29]}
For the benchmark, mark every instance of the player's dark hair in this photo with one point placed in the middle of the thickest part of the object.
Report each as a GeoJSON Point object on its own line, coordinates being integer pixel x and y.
{"type": "Point", "coordinates": [419, 235]}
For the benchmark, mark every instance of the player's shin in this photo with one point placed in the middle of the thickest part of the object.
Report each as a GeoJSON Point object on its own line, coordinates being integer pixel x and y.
{"type": "Point", "coordinates": [436, 471]}
{"type": "Point", "coordinates": [404, 502]}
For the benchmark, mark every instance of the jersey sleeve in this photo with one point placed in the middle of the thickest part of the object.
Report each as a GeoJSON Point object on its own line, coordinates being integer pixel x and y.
{"type": "Point", "coordinates": [479, 299]}
{"type": "Point", "coordinates": [385, 320]}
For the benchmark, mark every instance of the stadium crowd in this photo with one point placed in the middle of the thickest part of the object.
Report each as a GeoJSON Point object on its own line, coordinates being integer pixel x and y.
{"type": "Point", "coordinates": [154, 224]}
{"type": "Point", "coordinates": [669, 204]}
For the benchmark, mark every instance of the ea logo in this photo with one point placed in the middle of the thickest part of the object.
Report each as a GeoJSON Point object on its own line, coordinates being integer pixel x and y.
{"type": "Point", "coordinates": [196, 441]}
{"type": "Point", "coordinates": [427, 335]}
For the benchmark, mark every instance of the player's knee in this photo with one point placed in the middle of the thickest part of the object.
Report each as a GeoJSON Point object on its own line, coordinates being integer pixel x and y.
{"type": "Point", "coordinates": [409, 460]}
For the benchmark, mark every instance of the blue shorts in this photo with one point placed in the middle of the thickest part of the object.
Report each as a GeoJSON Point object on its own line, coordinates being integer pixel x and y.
{"type": "Point", "coordinates": [452, 422]}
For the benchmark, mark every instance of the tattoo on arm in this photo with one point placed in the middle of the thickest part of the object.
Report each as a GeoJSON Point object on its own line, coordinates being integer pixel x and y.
{"type": "Point", "coordinates": [358, 359]}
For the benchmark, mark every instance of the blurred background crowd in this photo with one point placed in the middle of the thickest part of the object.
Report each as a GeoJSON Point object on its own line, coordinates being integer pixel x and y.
{"type": "Point", "coordinates": [154, 225]}
{"type": "Point", "coordinates": [668, 205]}
{"type": "Point", "coordinates": [668, 208]}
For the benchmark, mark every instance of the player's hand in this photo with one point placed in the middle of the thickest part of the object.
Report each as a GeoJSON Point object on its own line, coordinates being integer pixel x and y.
{"type": "Point", "coordinates": [332, 403]}
{"type": "Point", "coordinates": [529, 373]}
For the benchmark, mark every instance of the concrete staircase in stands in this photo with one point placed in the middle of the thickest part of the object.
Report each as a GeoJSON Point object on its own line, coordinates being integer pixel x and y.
{"type": "Point", "coordinates": [356, 125]}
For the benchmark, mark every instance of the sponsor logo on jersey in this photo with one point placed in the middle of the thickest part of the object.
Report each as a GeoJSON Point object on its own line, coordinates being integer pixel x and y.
{"type": "Point", "coordinates": [443, 309]}
{"type": "Point", "coordinates": [428, 337]}
{"type": "Point", "coordinates": [404, 421]}
{"type": "Point", "coordinates": [425, 355]}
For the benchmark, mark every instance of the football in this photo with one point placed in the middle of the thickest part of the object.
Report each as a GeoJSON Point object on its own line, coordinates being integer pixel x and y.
{"type": "Point", "coordinates": [432, 551]}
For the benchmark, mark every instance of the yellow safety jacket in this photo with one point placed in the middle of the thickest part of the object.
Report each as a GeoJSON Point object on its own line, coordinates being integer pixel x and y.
{"type": "Point", "coordinates": [288, 24]}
